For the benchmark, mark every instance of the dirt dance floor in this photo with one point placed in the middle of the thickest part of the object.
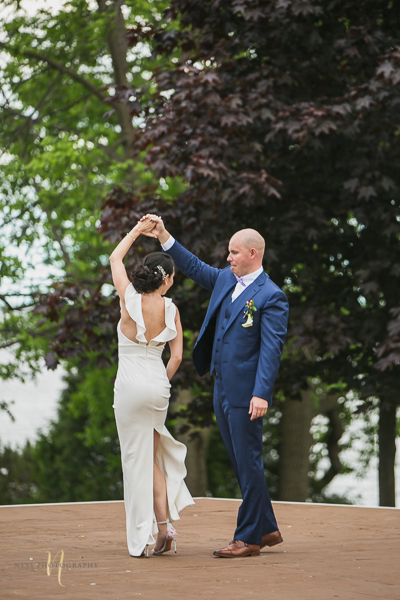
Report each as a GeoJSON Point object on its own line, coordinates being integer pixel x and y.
{"type": "Point", "coordinates": [328, 552]}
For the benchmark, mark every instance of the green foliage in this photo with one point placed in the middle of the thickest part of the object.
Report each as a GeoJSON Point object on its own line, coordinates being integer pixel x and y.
{"type": "Point", "coordinates": [222, 480]}
{"type": "Point", "coordinates": [92, 398]}
{"type": "Point", "coordinates": [16, 483]}
{"type": "Point", "coordinates": [70, 465]}
{"type": "Point", "coordinates": [283, 115]}
{"type": "Point", "coordinates": [61, 156]}
{"type": "Point", "coordinates": [78, 459]}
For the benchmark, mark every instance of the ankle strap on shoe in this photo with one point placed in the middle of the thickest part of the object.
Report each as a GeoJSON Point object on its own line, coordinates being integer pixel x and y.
{"type": "Point", "coordinates": [163, 522]}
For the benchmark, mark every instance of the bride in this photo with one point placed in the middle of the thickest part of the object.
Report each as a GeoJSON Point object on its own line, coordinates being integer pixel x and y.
{"type": "Point", "coordinates": [152, 461]}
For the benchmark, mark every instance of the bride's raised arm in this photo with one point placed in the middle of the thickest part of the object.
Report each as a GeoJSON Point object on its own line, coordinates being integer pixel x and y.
{"type": "Point", "coordinates": [118, 271]}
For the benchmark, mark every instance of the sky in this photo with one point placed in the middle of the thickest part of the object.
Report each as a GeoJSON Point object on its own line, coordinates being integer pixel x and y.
{"type": "Point", "coordinates": [31, 6]}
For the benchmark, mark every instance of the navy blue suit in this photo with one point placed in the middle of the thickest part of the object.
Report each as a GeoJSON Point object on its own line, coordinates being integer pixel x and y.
{"type": "Point", "coordinates": [245, 362]}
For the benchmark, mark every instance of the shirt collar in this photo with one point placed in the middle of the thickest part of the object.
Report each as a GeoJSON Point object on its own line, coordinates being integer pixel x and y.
{"type": "Point", "coordinates": [250, 277]}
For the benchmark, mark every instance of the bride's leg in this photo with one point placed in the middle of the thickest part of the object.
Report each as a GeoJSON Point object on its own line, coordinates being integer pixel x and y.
{"type": "Point", "coordinates": [160, 496]}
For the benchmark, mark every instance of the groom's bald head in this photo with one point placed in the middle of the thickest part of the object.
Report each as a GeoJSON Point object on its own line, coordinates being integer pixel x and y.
{"type": "Point", "coordinates": [246, 251]}
{"type": "Point", "coordinates": [250, 238]}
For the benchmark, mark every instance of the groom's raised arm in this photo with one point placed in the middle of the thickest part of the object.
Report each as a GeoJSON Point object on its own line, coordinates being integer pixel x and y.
{"type": "Point", "coordinates": [192, 266]}
{"type": "Point", "coordinates": [188, 263]}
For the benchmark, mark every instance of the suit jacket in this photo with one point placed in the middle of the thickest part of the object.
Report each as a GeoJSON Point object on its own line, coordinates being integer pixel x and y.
{"type": "Point", "coordinates": [250, 356]}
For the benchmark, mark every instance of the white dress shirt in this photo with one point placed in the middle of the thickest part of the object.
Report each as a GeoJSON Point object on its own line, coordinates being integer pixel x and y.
{"type": "Point", "coordinates": [247, 280]}
{"type": "Point", "coordinates": [168, 244]}
{"type": "Point", "coordinates": [239, 288]}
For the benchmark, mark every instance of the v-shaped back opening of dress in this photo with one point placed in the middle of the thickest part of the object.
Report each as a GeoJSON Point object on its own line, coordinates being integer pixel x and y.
{"type": "Point", "coordinates": [153, 339]}
{"type": "Point", "coordinates": [133, 306]}
{"type": "Point", "coordinates": [165, 325]}
{"type": "Point", "coordinates": [138, 312]}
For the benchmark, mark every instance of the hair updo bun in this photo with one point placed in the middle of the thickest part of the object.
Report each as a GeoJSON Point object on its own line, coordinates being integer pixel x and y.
{"type": "Point", "coordinates": [150, 275]}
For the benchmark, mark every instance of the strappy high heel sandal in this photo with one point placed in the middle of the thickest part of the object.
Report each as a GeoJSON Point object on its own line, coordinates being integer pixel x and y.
{"type": "Point", "coordinates": [170, 538]}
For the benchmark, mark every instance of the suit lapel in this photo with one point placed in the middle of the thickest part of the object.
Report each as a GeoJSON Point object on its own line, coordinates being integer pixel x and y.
{"type": "Point", "coordinates": [223, 292]}
{"type": "Point", "coordinates": [240, 302]}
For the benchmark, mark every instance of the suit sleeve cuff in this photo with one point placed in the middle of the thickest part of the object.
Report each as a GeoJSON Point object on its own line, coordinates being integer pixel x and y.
{"type": "Point", "coordinates": [168, 244]}
{"type": "Point", "coordinates": [267, 397]}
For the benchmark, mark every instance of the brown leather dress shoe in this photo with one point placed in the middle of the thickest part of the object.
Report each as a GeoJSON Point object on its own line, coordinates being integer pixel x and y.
{"type": "Point", "coordinates": [238, 549]}
{"type": "Point", "coordinates": [271, 539]}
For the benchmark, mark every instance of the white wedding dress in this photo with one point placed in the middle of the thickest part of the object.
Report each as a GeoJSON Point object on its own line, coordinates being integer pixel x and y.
{"type": "Point", "coordinates": [141, 398]}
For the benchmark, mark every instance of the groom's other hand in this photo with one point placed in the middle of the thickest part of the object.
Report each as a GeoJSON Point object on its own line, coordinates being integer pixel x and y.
{"type": "Point", "coordinates": [159, 230]}
{"type": "Point", "coordinates": [258, 407]}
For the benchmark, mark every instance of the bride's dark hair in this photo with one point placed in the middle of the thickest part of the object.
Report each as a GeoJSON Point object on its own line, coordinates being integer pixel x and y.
{"type": "Point", "coordinates": [148, 276]}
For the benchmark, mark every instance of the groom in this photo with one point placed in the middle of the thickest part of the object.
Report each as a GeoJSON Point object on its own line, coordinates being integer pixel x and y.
{"type": "Point", "coordinates": [240, 342]}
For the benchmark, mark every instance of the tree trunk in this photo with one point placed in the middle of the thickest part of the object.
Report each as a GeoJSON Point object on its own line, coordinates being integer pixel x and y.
{"type": "Point", "coordinates": [294, 449]}
{"type": "Point", "coordinates": [328, 406]}
{"type": "Point", "coordinates": [118, 50]}
{"type": "Point", "coordinates": [196, 441]}
{"type": "Point", "coordinates": [387, 453]}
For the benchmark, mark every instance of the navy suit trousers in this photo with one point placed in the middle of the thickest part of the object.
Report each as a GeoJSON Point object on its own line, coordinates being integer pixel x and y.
{"type": "Point", "coordinates": [243, 441]}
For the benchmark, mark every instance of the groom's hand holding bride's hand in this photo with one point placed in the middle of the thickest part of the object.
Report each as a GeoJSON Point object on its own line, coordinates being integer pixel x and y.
{"type": "Point", "coordinates": [159, 230]}
{"type": "Point", "coordinates": [145, 227]}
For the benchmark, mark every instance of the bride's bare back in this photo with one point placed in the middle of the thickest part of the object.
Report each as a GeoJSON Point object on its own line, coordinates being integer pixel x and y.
{"type": "Point", "coordinates": [153, 310]}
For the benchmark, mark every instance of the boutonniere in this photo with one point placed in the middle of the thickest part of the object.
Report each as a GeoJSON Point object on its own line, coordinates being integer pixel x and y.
{"type": "Point", "coordinates": [248, 312]}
